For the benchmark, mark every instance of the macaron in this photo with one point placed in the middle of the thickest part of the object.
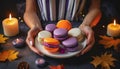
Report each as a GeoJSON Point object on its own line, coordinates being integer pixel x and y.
{"type": "Point", "coordinates": [50, 27]}
{"type": "Point", "coordinates": [61, 38]}
{"type": "Point", "coordinates": [64, 24]}
{"type": "Point", "coordinates": [76, 32]}
{"type": "Point", "coordinates": [43, 34]}
{"type": "Point", "coordinates": [60, 34]}
{"type": "Point", "coordinates": [72, 49]}
{"type": "Point", "coordinates": [71, 44]}
{"type": "Point", "coordinates": [51, 44]}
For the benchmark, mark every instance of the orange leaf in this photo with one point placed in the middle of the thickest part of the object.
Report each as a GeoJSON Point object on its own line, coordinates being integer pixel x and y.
{"type": "Point", "coordinates": [97, 60]}
{"type": "Point", "coordinates": [13, 55]}
{"type": "Point", "coordinates": [105, 60]}
{"type": "Point", "coordinates": [57, 67]}
{"type": "Point", "coordinates": [8, 54]}
{"type": "Point", "coordinates": [4, 55]}
{"type": "Point", "coordinates": [2, 39]}
{"type": "Point", "coordinates": [106, 38]}
{"type": "Point", "coordinates": [108, 42]}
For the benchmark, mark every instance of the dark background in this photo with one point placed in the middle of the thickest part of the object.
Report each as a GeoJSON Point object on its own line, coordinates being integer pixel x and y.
{"type": "Point", "coordinates": [15, 7]}
{"type": "Point", "coordinates": [110, 8]}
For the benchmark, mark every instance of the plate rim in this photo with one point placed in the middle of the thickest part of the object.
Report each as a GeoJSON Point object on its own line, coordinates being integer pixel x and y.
{"type": "Point", "coordinates": [37, 45]}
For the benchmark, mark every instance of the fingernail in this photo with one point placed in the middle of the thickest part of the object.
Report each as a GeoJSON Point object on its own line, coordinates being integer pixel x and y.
{"type": "Point", "coordinates": [31, 43]}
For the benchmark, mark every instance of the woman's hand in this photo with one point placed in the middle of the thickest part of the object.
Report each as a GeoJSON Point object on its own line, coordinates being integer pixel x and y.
{"type": "Point", "coordinates": [87, 30]}
{"type": "Point", "coordinates": [30, 40]}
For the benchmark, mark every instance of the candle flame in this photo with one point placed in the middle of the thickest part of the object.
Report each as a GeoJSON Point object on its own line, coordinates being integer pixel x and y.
{"type": "Point", "coordinates": [10, 16]}
{"type": "Point", "coordinates": [17, 39]}
{"type": "Point", "coordinates": [114, 22]}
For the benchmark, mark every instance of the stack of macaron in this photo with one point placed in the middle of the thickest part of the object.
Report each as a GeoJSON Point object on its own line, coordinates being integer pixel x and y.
{"type": "Point", "coordinates": [51, 44]}
{"type": "Point", "coordinates": [59, 34]}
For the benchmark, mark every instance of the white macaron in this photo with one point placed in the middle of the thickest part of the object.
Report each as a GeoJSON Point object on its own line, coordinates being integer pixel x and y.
{"type": "Point", "coordinates": [43, 34]}
{"type": "Point", "coordinates": [76, 32]}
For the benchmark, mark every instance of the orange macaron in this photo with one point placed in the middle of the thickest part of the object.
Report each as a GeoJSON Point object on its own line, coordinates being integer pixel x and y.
{"type": "Point", "coordinates": [64, 24]}
{"type": "Point", "coordinates": [52, 50]}
{"type": "Point", "coordinates": [51, 44]}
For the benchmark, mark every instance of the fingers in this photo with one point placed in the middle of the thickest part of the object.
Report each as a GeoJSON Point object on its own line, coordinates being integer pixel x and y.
{"type": "Point", "coordinates": [90, 40]}
{"type": "Point", "coordinates": [32, 47]}
{"type": "Point", "coordinates": [30, 41]}
{"type": "Point", "coordinates": [35, 50]}
{"type": "Point", "coordinates": [88, 47]}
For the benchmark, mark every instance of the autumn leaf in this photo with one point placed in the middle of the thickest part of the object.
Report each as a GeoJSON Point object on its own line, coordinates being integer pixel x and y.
{"type": "Point", "coordinates": [106, 38]}
{"type": "Point", "coordinates": [2, 38]}
{"type": "Point", "coordinates": [12, 55]}
{"type": "Point", "coordinates": [108, 42]}
{"type": "Point", "coordinates": [8, 55]}
{"type": "Point", "coordinates": [105, 60]}
{"type": "Point", "coordinates": [4, 55]}
{"type": "Point", "coordinates": [57, 67]}
{"type": "Point", "coordinates": [97, 61]}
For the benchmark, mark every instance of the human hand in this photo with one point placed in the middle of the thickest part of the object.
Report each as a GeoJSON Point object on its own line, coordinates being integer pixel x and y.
{"type": "Point", "coordinates": [31, 39]}
{"type": "Point", "coordinates": [87, 30]}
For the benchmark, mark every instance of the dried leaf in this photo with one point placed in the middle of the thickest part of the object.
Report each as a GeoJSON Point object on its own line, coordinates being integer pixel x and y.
{"type": "Point", "coordinates": [8, 54]}
{"type": "Point", "coordinates": [57, 67]}
{"type": "Point", "coordinates": [2, 38]}
{"type": "Point", "coordinates": [97, 60]}
{"type": "Point", "coordinates": [106, 38]}
{"type": "Point", "coordinates": [108, 59]}
{"type": "Point", "coordinates": [4, 55]}
{"type": "Point", "coordinates": [12, 55]}
{"type": "Point", "coordinates": [105, 60]}
{"type": "Point", "coordinates": [108, 42]}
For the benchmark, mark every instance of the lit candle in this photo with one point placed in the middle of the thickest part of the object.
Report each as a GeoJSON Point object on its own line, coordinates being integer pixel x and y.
{"type": "Point", "coordinates": [113, 29]}
{"type": "Point", "coordinates": [18, 43]}
{"type": "Point", "coordinates": [10, 26]}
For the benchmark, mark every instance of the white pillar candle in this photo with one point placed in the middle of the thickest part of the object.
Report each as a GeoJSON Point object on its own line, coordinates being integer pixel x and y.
{"type": "Point", "coordinates": [113, 29]}
{"type": "Point", "coordinates": [10, 26]}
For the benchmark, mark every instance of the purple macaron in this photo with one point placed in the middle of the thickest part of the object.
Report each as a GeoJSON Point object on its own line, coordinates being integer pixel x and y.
{"type": "Point", "coordinates": [50, 27]}
{"type": "Point", "coordinates": [61, 38]}
{"type": "Point", "coordinates": [60, 34]}
{"type": "Point", "coordinates": [71, 44]}
{"type": "Point", "coordinates": [72, 49]}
